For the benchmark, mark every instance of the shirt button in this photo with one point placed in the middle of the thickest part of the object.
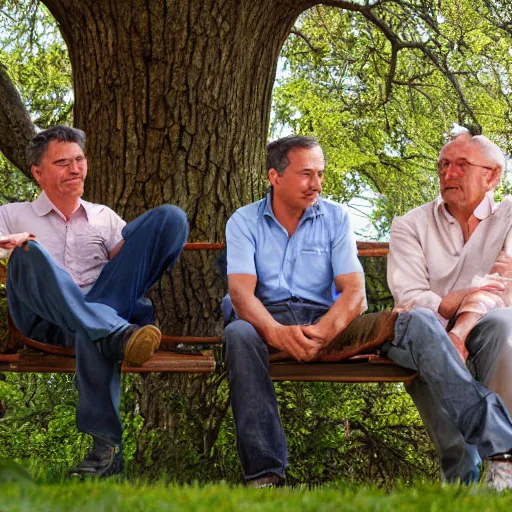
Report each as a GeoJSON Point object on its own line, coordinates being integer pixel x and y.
{"type": "Point", "coordinates": [456, 254]}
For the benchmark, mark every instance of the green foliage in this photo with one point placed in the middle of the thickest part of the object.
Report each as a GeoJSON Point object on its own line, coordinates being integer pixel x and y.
{"type": "Point", "coordinates": [35, 55]}
{"type": "Point", "coordinates": [112, 496]}
{"type": "Point", "coordinates": [382, 101]}
{"type": "Point", "coordinates": [364, 433]}
{"type": "Point", "coordinates": [14, 186]}
{"type": "Point", "coordinates": [40, 421]}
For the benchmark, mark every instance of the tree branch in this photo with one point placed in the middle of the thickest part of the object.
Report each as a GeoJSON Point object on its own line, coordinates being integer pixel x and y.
{"type": "Point", "coordinates": [303, 36]}
{"type": "Point", "coordinates": [453, 80]}
{"type": "Point", "coordinates": [397, 44]}
{"type": "Point", "coordinates": [16, 127]}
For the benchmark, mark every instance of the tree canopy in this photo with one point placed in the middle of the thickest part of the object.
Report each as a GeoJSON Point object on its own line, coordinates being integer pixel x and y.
{"type": "Point", "coordinates": [383, 85]}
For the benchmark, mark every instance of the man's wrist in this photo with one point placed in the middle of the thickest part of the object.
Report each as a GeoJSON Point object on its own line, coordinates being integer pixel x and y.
{"type": "Point", "coordinates": [268, 330]}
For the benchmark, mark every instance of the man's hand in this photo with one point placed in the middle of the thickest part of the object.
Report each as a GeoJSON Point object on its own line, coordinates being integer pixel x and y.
{"type": "Point", "coordinates": [9, 242]}
{"type": "Point", "coordinates": [451, 302]}
{"type": "Point", "coordinates": [319, 332]}
{"type": "Point", "coordinates": [502, 265]}
{"type": "Point", "coordinates": [291, 339]}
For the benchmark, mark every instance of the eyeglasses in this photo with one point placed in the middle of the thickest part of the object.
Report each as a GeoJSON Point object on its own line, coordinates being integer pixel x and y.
{"type": "Point", "coordinates": [461, 165]}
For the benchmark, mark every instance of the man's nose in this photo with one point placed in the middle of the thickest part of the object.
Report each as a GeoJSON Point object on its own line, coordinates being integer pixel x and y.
{"type": "Point", "coordinates": [316, 182]}
{"type": "Point", "coordinates": [74, 167]}
{"type": "Point", "coordinates": [451, 171]}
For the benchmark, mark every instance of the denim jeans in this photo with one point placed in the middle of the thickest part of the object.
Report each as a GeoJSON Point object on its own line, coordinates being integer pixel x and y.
{"type": "Point", "coordinates": [47, 305]}
{"type": "Point", "coordinates": [260, 437]}
{"type": "Point", "coordinates": [466, 421]}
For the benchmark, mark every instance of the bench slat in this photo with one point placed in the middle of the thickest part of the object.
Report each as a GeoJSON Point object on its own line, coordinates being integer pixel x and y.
{"type": "Point", "coordinates": [38, 362]}
{"type": "Point", "coordinates": [341, 372]}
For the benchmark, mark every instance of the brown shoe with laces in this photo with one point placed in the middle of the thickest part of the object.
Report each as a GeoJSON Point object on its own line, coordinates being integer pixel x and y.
{"type": "Point", "coordinates": [140, 343]}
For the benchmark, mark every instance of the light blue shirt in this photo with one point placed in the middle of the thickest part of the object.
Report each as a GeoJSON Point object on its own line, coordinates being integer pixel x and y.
{"type": "Point", "coordinates": [303, 265]}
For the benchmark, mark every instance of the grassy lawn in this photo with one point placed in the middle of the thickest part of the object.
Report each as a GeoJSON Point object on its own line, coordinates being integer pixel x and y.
{"type": "Point", "coordinates": [119, 496]}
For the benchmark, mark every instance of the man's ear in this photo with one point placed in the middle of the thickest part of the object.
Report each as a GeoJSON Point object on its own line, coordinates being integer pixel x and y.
{"type": "Point", "coordinates": [36, 172]}
{"type": "Point", "coordinates": [273, 177]}
{"type": "Point", "coordinates": [494, 178]}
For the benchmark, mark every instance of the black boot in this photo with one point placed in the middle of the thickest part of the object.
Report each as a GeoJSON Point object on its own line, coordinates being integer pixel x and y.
{"type": "Point", "coordinates": [104, 459]}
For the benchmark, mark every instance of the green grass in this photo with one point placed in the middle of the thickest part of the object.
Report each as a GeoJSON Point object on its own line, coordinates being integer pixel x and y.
{"type": "Point", "coordinates": [107, 496]}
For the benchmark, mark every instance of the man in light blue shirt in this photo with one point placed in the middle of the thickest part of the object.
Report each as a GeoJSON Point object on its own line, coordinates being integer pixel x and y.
{"type": "Point", "coordinates": [284, 254]}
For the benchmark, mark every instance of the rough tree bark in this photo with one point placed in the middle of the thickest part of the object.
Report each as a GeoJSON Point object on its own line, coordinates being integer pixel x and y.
{"type": "Point", "coordinates": [16, 128]}
{"type": "Point", "coordinates": [175, 99]}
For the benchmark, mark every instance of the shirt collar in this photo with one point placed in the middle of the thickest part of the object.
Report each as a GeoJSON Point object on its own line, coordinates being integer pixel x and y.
{"type": "Point", "coordinates": [43, 206]}
{"type": "Point", "coordinates": [485, 209]}
{"type": "Point", "coordinates": [312, 211]}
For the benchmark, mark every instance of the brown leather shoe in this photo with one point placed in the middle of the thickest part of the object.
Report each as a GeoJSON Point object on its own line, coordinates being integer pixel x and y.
{"type": "Point", "coordinates": [140, 343]}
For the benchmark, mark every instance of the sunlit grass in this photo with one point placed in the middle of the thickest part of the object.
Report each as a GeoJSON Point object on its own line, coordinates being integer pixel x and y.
{"type": "Point", "coordinates": [114, 495]}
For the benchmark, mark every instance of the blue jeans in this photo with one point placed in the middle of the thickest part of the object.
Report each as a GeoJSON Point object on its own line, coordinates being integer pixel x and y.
{"type": "Point", "coordinates": [47, 305]}
{"type": "Point", "coordinates": [466, 421]}
{"type": "Point", "coordinates": [260, 437]}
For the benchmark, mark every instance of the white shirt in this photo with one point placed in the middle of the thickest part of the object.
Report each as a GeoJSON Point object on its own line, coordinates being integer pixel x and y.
{"type": "Point", "coordinates": [427, 255]}
{"type": "Point", "coordinates": [80, 246]}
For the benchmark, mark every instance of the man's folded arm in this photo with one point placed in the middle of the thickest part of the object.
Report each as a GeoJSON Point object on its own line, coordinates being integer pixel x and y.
{"type": "Point", "coordinates": [348, 280]}
{"type": "Point", "coordinates": [247, 306]}
{"type": "Point", "coordinates": [287, 338]}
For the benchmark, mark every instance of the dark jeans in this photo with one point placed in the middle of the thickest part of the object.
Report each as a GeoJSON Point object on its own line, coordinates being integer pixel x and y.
{"type": "Point", "coordinates": [466, 421]}
{"type": "Point", "coordinates": [47, 305]}
{"type": "Point", "coordinates": [261, 441]}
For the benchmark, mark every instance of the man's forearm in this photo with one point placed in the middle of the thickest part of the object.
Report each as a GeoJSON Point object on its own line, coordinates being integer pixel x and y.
{"type": "Point", "coordinates": [349, 305]}
{"type": "Point", "coordinates": [249, 308]}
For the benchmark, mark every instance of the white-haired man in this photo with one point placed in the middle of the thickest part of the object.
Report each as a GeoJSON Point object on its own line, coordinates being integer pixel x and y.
{"type": "Point", "coordinates": [435, 252]}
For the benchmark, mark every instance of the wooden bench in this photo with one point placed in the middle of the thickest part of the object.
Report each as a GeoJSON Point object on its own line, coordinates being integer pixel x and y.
{"type": "Point", "coordinates": [42, 358]}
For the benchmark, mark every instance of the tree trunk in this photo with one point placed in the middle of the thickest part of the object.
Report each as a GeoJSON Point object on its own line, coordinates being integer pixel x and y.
{"type": "Point", "coordinates": [175, 99]}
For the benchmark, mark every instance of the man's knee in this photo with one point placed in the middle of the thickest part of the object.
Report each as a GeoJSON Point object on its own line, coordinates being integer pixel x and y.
{"type": "Point", "coordinates": [31, 253]}
{"type": "Point", "coordinates": [30, 249]}
{"type": "Point", "coordinates": [241, 340]}
{"type": "Point", "coordinates": [421, 324]}
{"type": "Point", "coordinates": [488, 339]}
{"type": "Point", "coordinates": [495, 326]}
{"type": "Point", "coordinates": [423, 315]}
{"type": "Point", "coordinates": [169, 216]}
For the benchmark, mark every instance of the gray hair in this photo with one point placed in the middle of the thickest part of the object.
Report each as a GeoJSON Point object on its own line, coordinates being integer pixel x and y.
{"type": "Point", "coordinates": [491, 150]}
{"type": "Point", "coordinates": [277, 151]}
{"type": "Point", "coordinates": [39, 143]}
